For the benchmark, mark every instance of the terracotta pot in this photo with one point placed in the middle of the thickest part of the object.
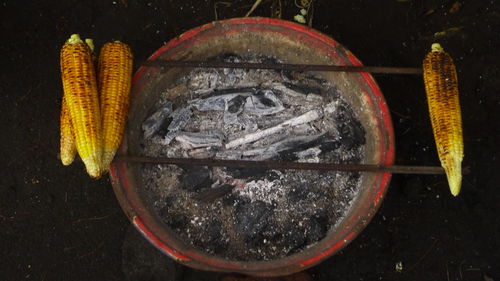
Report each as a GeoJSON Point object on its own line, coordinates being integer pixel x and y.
{"type": "Point", "coordinates": [292, 43]}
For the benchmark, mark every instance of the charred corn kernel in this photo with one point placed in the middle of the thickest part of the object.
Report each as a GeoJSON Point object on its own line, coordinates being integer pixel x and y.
{"type": "Point", "coordinates": [115, 74]}
{"type": "Point", "coordinates": [68, 145]}
{"type": "Point", "coordinates": [80, 94]}
{"type": "Point", "coordinates": [441, 85]}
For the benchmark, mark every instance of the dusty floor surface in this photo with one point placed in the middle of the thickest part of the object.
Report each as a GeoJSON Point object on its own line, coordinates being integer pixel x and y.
{"type": "Point", "coordinates": [58, 224]}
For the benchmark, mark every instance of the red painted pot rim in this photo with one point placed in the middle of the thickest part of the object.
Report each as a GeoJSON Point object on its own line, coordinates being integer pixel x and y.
{"type": "Point", "coordinates": [151, 230]}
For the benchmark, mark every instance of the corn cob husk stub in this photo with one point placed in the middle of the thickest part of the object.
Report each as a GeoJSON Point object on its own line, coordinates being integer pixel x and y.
{"type": "Point", "coordinates": [67, 145]}
{"type": "Point", "coordinates": [115, 75]}
{"type": "Point", "coordinates": [80, 94]}
{"type": "Point", "coordinates": [441, 85]}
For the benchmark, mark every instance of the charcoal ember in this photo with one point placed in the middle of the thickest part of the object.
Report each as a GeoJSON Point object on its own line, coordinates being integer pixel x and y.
{"type": "Point", "coordinates": [153, 123]}
{"type": "Point", "coordinates": [251, 219]}
{"type": "Point", "coordinates": [195, 178]}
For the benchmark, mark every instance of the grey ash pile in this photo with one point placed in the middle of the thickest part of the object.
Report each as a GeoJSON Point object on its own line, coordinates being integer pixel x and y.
{"type": "Point", "coordinates": [251, 214]}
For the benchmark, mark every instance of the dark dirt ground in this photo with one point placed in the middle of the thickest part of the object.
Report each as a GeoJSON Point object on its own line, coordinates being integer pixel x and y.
{"type": "Point", "coordinates": [58, 224]}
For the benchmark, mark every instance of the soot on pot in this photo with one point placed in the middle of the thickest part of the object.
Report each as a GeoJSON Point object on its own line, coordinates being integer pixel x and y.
{"type": "Point", "coordinates": [251, 214]}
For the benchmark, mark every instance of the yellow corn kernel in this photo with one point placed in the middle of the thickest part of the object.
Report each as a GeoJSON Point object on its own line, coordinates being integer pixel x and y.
{"type": "Point", "coordinates": [80, 93]}
{"type": "Point", "coordinates": [68, 146]}
{"type": "Point", "coordinates": [115, 75]}
{"type": "Point", "coordinates": [441, 85]}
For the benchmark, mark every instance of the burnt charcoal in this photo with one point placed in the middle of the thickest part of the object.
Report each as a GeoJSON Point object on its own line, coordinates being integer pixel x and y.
{"type": "Point", "coordinates": [209, 195]}
{"type": "Point", "coordinates": [221, 92]}
{"type": "Point", "coordinates": [233, 200]}
{"type": "Point", "coordinates": [297, 194]}
{"type": "Point", "coordinates": [333, 93]}
{"type": "Point", "coordinates": [291, 154]}
{"type": "Point", "coordinates": [176, 221]}
{"type": "Point", "coordinates": [317, 227]}
{"type": "Point", "coordinates": [251, 219]}
{"type": "Point", "coordinates": [151, 125]}
{"type": "Point", "coordinates": [272, 175]}
{"type": "Point", "coordinates": [263, 102]}
{"type": "Point", "coordinates": [302, 88]}
{"type": "Point", "coordinates": [230, 200]}
{"type": "Point", "coordinates": [293, 238]}
{"type": "Point", "coordinates": [261, 95]}
{"type": "Point", "coordinates": [180, 117]}
{"type": "Point", "coordinates": [212, 239]}
{"type": "Point", "coordinates": [316, 79]}
{"type": "Point", "coordinates": [163, 129]}
{"type": "Point", "coordinates": [329, 145]}
{"type": "Point", "coordinates": [235, 104]}
{"type": "Point", "coordinates": [288, 74]}
{"type": "Point", "coordinates": [352, 134]}
{"type": "Point", "coordinates": [195, 178]}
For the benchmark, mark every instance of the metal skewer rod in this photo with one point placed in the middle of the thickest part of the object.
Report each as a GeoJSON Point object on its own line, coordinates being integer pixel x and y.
{"type": "Point", "coordinates": [277, 165]}
{"type": "Point", "coordinates": [284, 66]}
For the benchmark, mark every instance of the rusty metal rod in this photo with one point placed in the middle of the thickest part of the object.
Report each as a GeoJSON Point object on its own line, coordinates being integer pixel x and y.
{"type": "Point", "coordinates": [284, 66]}
{"type": "Point", "coordinates": [277, 165]}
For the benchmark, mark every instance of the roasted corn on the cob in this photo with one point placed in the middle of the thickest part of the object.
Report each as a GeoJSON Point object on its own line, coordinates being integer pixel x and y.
{"type": "Point", "coordinates": [115, 74]}
{"type": "Point", "coordinates": [68, 146]}
{"type": "Point", "coordinates": [441, 85]}
{"type": "Point", "coordinates": [80, 94]}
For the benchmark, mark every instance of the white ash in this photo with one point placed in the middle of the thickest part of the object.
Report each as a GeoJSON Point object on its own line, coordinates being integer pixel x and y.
{"type": "Point", "coordinates": [252, 115]}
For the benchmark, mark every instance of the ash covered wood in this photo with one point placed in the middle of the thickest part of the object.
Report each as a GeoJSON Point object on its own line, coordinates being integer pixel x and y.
{"type": "Point", "coordinates": [252, 214]}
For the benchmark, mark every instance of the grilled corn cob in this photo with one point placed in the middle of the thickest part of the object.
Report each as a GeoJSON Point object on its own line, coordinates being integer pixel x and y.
{"type": "Point", "coordinates": [80, 94]}
{"type": "Point", "coordinates": [68, 146]}
{"type": "Point", "coordinates": [441, 85]}
{"type": "Point", "coordinates": [115, 74]}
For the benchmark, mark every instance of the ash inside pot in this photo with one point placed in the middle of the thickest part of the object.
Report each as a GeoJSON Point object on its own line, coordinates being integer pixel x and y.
{"type": "Point", "coordinates": [251, 214]}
